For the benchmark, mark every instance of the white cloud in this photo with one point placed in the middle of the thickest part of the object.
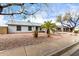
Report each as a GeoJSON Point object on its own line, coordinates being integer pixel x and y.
{"type": "Point", "coordinates": [39, 17]}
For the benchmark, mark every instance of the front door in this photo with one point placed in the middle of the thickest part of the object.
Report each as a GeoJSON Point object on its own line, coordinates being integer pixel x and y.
{"type": "Point", "coordinates": [37, 28]}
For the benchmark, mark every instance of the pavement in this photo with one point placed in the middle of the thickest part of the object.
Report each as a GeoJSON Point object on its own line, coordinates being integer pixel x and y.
{"type": "Point", "coordinates": [76, 53]}
{"type": "Point", "coordinates": [42, 49]}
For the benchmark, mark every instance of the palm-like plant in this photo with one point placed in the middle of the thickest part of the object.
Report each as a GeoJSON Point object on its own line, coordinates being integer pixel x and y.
{"type": "Point", "coordinates": [48, 25]}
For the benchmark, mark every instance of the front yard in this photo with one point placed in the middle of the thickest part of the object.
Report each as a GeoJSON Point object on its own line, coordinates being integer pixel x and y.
{"type": "Point", "coordinates": [9, 41]}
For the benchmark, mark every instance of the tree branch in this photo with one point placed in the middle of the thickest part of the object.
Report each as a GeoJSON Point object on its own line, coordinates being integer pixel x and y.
{"type": "Point", "coordinates": [22, 7]}
{"type": "Point", "coordinates": [11, 4]}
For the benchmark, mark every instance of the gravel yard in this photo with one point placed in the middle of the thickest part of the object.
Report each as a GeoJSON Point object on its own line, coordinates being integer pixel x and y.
{"type": "Point", "coordinates": [8, 41]}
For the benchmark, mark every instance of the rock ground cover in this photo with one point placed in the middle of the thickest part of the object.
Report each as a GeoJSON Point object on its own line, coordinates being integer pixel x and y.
{"type": "Point", "coordinates": [9, 41]}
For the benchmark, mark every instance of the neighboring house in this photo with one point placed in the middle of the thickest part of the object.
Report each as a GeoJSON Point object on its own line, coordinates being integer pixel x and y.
{"type": "Point", "coordinates": [61, 28]}
{"type": "Point", "coordinates": [22, 26]}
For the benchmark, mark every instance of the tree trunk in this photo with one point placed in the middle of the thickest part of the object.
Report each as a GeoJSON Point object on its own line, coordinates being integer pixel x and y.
{"type": "Point", "coordinates": [48, 32]}
{"type": "Point", "coordinates": [36, 33]}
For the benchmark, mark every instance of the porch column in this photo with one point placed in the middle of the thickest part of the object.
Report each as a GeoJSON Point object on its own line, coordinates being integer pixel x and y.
{"type": "Point", "coordinates": [62, 29]}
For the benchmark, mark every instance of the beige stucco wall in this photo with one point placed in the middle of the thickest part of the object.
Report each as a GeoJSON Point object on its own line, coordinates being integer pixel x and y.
{"type": "Point", "coordinates": [3, 30]}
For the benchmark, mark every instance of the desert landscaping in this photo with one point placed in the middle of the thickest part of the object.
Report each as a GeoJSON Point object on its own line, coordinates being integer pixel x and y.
{"type": "Point", "coordinates": [9, 41]}
{"type": "Point", "coordinates": [39, 29]}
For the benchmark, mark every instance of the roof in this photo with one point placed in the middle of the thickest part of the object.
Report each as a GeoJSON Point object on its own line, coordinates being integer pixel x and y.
{"type": "Point", "coordinates": [3, 25]}
{"type": "Point", "coordinates": [58, 24]}
{"type": "Point", "coordinates": [61, 26]}
{"type": "Point", "coordinates": [13, 22]}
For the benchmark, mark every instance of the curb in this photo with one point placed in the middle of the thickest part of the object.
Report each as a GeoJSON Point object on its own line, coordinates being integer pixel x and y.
{"type": "Point", "coordinates": [63, 50]}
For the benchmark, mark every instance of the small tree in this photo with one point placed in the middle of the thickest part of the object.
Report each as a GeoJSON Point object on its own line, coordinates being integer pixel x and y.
{"type": "Point", "coordinates": [48, 25]}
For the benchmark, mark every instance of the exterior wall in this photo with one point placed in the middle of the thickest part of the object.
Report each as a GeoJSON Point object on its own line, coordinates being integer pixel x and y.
{"type": "Point", "coordinates": [63, 29]}
{"type": "Point", "coordinates": [24, 29]}
{"type": "Point", "coordinates": [3, 30]}
{"type": "Point", "coordinates": [13, 29]}
{"type": "Point", "coordinates": [38, 28]}
{"type": "Point", "coordinates": [33, 28]}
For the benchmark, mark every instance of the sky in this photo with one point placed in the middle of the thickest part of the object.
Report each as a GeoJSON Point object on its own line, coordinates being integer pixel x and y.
{"type": "Point", "coordinates": [47, 12]}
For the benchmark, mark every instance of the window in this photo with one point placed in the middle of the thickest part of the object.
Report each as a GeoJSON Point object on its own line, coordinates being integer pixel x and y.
{"type": "Point", "coordinates": [18, 28]}
{"type": "Point", "coordinates": [29, 28]}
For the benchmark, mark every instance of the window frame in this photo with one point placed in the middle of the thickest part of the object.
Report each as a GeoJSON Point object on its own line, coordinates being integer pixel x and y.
{"type": "Point", "coordinates": [18, 27]}
{"type": "Point", "coordinates": [29, 28]}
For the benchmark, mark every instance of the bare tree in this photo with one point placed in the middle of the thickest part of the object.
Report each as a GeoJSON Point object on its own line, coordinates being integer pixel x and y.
{"type": "Point", "coordinates": [2, 6]}
{"type": "Point", "coordinates": [24, 10]}
{"type": "Point", "coordinates": [69, 20]}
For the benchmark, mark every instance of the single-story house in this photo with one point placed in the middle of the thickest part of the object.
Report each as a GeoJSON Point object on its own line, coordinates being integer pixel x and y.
{"type": "Point", "coordinates": [22, 26]}
{"type": "Point", "coordinates": [14, 26]}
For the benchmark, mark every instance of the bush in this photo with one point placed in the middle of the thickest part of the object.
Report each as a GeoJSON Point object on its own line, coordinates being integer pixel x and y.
{"type": "Point", "coordinates": [75, 31]}
{"type": "Point", "coordinates": [35, 34]}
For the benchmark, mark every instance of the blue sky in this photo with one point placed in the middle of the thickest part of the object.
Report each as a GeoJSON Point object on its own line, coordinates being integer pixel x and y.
{"type": "Point", "coordinates": [47, 12]}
